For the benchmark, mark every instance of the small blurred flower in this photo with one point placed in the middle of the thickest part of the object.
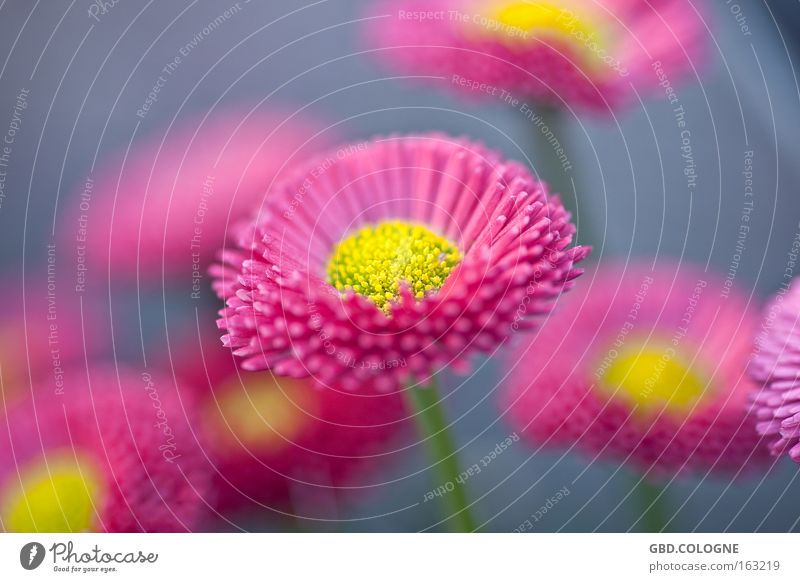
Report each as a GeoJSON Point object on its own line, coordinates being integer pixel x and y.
{"type": "Point", "coordinates": [387, 260]}
{"type": "Point", "coordinates": [274, 442]}
{"type": "Point", "coordinates": [646, 366]}
{"type": "Point", "coordinates": [114, 454]}
{"type": "Point", "coordinates": [776, 368]}
{"type": "Point", "coordinates": [585, 54]}
{"type": "Point", "coordinates": [164, 206]}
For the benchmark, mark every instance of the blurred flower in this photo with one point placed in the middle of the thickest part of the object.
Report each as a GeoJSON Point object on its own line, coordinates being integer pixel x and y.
{"type": "Point", "coordinates": [164, 206]}
{"type": "Point", "coordinates": [644, 365]}
{"type": "Point", "coordinates": [274, 442]}
{"type": "Point", "coordinates": [386, 260]}
{"type": "Point", "coordinates": [584, 54]}
{"type": "Point", "coordinates": [40, 337]}
{"type": "Point", "coordinates": [116, 453]}
{"type": "Point", "coordinates": [776, 368]}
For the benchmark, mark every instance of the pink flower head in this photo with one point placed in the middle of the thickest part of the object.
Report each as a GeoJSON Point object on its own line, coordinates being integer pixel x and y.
{"type": "Point", "coordinates": [644, 365]}
{"type": "Point", "coordinates": [165, 205]}
{"type": "Point", "coordinates": [114, 454]}
{"type": "Point", "coordinates": [586, 54]}
{"type": "Point", "coordinates": [385, 261]}
{"type": "Point", "coordinates": [776, 368]}
{"type": "Point", "coordinates": [284, 443]}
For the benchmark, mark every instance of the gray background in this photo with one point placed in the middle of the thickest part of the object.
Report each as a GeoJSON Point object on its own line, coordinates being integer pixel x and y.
{"type": "Point", "coordinates": [87, 79]}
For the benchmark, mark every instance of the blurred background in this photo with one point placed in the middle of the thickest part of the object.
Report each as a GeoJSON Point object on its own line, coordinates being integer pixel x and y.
{"type": "Point", "coordinates": [85, 74]}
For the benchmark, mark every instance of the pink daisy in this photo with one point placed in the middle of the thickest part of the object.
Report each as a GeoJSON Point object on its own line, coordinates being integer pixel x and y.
{"type": "Point", "coordinates": [776, 368]}
{"type": "Point", "coordinates": [274, 442]}
{"type": "Point", "coordinates": [167, 203]}
{"type": "Point", "coordinates": [385, 261]}
{"type": "Point", "coordinates": [645, 365]}
{"type": "Point", "coordinates": [585, 54]}
{"type": "Point", "coordinates": [115, 455]}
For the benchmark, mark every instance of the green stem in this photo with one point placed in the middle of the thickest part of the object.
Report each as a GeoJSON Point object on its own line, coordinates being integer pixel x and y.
{"type": "Point", "coordinates": [434, 428]}
{"type": "Point", "coordinates": [655, 515]}
{"type": "Point", "coordinates": [549, 132]}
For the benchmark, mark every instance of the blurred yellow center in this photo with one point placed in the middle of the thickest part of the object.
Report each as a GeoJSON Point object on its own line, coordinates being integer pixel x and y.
{"type": "Point", "coordinates": [521, 21]}
{"type": "Point", "coordinates": [375, 260]}
{"type": "Point", "coordinates": [56, 495]}
{"type": "Point", "coordinates": [260, 414]}
{"type": "Point", "coordinates": [654, 380]}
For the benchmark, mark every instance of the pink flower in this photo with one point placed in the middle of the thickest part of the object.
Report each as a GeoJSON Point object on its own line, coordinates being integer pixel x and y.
{"type": "Point", "coordinates": [278, 443]}
{"type": "Point", "coordinates": [41, 334]}
{"type": "Point", "coordinates": [165, 206]}
{"type": "Point", "coordinates": [116, 453]}
{"type": "Point", "coordinates": [776, 368]}
{"type": "Point", "coordinates": [583, 54]}
{"type": "Point", "coordinates": [388, 260]}
{"type": "Point", "coordinates": [645, 365]}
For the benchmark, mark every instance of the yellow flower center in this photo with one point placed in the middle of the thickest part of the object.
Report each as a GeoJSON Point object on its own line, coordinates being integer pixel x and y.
{"type": "Point", "coordinates": [59, 494]}
{"type": "Point", "coordinates": [653, 379]}
{"type": "Point", "coordinates": [258, 413]}
{"type": "Point", "coordinates": [518, 22]}
{"type": "Point", "coordinates": [375, 260]}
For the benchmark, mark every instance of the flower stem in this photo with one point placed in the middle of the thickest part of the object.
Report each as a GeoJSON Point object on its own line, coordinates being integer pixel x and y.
{"type": "Point", "coordinates": [549, 132]}
{"type": "Point", "coordinates": [433, 426]}
{"type": "Point", "coordinates": [655, 515]}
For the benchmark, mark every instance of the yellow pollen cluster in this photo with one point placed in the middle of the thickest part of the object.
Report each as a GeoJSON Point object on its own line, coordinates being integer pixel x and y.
{"type": "Point", "coordinates": [57, 495]}
{"type": "Point", "coordinates": [258, 413]}
{"type": "Point", "coordinates": [375, 260]}
{"type": "Point", "coordinates": [654, 380]}
{"type": "Point", "coordinates": [518, 21]}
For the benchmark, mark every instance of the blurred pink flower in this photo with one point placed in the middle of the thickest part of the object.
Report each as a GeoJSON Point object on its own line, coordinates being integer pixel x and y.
{"type": "Point", "coordinates": [116, 453]}
{"type": "Point", "coordinates": [164, 206]}
{"type": "Point", "coordinates": [275, 442]}
{"type": "Point", "coordinates": [776, 368]}
{"type": "Point", "coordinates": [592, 55]}
{"type": "Point", "coordinates": [388, 260]}
{"type": "Point", "coordinates": [41, 335]}
{"type": "Point", "coordinates": [643, 365]}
